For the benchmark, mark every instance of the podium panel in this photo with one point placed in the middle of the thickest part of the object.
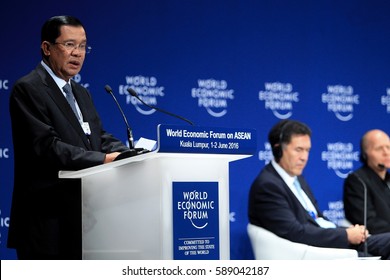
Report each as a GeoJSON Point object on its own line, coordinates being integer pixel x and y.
{"type": "Point", "coordinates": [128, 207]}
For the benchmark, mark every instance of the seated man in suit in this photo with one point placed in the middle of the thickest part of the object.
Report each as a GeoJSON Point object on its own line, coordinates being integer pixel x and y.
{"type": "Point", "coordinates": [282, 202]}
{"type": "Point", "coordinates": [373, 175]}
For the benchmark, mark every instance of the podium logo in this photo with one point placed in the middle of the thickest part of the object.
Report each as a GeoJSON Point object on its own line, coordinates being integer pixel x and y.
{"type": "Point", "coordinates": [279, 98]}
{"type": "Point", "coordinates": [341, 101]}
{"type": "Point", "coordinates": [195, 207]}
{"type": "Point", "coordinates": [340, 158]}
{"type": "Point", "coordinates": [213, 95]}
{"type": "Point", "coordinates": [147, 89]}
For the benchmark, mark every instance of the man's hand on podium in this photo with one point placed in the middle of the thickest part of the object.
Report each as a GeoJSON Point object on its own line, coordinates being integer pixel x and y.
{"type": "Point", "coordinates": [111, 157]}
{"type": "Point", "coordinates": [131, 153]}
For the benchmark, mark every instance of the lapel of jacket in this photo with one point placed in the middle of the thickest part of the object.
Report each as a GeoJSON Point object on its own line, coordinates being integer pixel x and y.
{"type": "Point", "coordinates": [56, 94]}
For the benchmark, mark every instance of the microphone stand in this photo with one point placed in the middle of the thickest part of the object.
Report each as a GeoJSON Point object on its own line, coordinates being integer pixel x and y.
{"type": "Point", "coordinates": [129, 133]}
{"type": "Point", "coordinates": [133, 151]}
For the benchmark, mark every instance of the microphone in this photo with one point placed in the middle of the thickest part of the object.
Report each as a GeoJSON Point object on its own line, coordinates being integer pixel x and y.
{"type": "Point", "coordinates": [133, 151]}
{"type": "Point", "coordinates": [134, 93]}
{"type": "Point", "coordinates": [129, 132]}
{"type": "Point", "coordinates": [381, 166]}
{"type": "Point", "coordinates": [365, 211]}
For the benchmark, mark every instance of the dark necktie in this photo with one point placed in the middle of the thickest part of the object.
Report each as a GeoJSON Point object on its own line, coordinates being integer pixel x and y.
{"type": "Point", "coordinates": [70, 98]}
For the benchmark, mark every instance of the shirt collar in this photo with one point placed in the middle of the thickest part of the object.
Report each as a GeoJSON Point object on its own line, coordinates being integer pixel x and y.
{"type": "Point", "coordinates": [289, 180]}
{"type": "Point", "coordinates": [60, 82]}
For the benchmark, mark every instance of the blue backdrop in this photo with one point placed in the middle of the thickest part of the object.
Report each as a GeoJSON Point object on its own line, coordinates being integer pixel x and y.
{"type": "Point", "coordinates": [222, 63]}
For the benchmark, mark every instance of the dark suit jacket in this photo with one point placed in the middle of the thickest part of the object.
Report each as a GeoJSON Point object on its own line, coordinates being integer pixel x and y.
{"type": "Point", "coordinates": [47, 137]}
{"type": "Point", "coordinates": [272, 205]}
{"type": "Point", "coordinates": [378, 200]}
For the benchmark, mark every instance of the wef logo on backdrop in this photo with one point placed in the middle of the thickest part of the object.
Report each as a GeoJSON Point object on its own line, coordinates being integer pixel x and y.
{"type": "Point", "coordinates": [266, 154]}
{"type": "Point", "coordinates": [147, 89]}
{"type": "Point", "coordinates": [4, 84]}
{"type": "Point", "coordinates": [335, 212]}
{"type": "Point", "coordinates": [4, 222]}
{"type": "Point", "coordinates": [213, 95]}
{"type": "Point", "coordinates": [340, 158]}
{"type": "Point", "coordinates": [279, 98]}
{"type": "Point", "coordinates": [341, 101]}
{"type": "Point", "coordinates": [77, 79]}
{"type": "Point", "coordinates": [385, 100]}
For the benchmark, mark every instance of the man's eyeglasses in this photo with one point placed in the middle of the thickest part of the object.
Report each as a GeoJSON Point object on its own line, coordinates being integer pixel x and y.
{"type": "Point", "coordinates": [70, 46]}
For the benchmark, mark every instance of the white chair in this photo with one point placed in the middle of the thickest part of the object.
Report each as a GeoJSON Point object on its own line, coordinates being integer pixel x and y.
{"type": "Point", "coordinates": [268, 246]}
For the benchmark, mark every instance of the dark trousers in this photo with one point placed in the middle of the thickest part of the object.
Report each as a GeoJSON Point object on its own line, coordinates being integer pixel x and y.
{"type": "Point", "coordinates": [377, 245]}
{"type": "Point", "coordinates": [23, 254]}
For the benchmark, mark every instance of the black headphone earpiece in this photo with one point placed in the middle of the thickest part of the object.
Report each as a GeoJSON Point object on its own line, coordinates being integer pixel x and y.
{"type": "Point", "coordinates": [363, 157]}
{"type": "Point", "coordinates": [277, 148]}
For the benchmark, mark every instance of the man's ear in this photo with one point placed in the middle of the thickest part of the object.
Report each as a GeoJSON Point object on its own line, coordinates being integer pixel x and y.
{"type": "Point", "coordinates": [45, 46]}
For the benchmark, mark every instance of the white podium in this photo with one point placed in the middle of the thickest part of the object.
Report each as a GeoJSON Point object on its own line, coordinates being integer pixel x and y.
{"type": "Point", "coordinates": [127, 205]}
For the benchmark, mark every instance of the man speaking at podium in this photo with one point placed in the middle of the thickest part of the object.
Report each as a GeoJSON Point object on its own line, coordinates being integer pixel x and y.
{"type": "Point", "coordinates": [55, 126]}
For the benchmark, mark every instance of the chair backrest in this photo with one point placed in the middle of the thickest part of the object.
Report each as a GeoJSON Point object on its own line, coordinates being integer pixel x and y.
{"type": "Point", "coordinates": [268, 246]}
